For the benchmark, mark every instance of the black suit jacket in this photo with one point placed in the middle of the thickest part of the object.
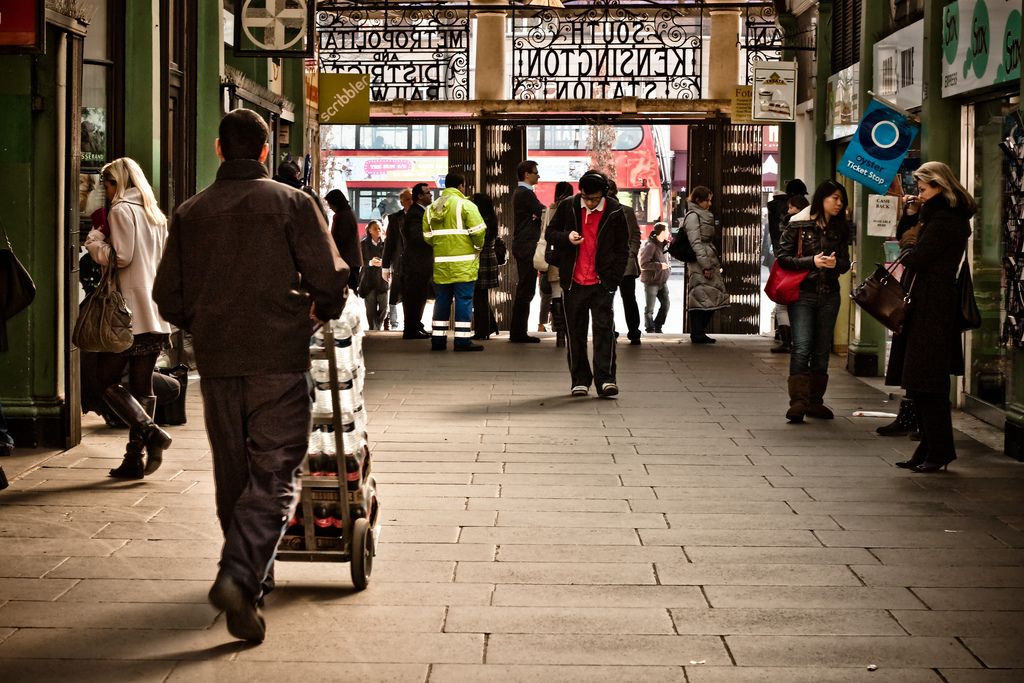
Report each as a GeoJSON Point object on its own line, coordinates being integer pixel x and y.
{"type": "Point", "coordinates": [526, 213]}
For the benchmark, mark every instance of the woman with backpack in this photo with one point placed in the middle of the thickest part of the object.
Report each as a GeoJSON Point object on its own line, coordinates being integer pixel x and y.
{"type": "Point", "coordinates": [705, 289]}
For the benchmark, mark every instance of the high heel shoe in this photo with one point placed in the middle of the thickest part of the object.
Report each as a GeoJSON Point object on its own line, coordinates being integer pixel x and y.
{"type": "Point", "coordinates": [929, 467]}
{"type": "Point", "coordinates": [919, 457]}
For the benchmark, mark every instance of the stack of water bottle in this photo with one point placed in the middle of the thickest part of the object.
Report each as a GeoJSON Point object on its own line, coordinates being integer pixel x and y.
{"type": "Point", "coordinates": [325, 443]}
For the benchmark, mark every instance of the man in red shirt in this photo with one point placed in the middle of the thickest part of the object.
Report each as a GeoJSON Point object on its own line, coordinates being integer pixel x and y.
{"type": "Point", "coordinates": [591, 241]}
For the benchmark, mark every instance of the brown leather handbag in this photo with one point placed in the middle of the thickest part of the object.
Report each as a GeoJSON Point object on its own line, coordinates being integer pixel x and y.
{"type": "Point", "coordinates": [104, 322]}
{"type": "Point", "coordinates": [885, 298]}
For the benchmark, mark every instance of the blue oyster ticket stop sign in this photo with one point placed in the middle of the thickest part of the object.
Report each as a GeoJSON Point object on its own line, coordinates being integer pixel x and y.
{"type": "Point", "coordinates": [877, 149]}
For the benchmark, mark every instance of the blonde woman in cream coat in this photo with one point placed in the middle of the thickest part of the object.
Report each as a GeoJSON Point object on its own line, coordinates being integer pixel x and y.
{"type": "Point", "coordinates": [137, 230]}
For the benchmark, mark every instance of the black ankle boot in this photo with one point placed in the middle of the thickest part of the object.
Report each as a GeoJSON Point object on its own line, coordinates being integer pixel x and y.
{"type": "Point", "coordinates": [918, 458]}
{"type": "Point", "coordinates": [905, 422]}
{"type": "Point", "coordinates": [131, 411]}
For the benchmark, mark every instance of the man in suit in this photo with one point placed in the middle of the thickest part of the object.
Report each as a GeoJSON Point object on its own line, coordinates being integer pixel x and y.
{"type": "Point", "coordinates": [417, 265]}
{"type": "Point", "coordinates": [627, 286]}
{"type": "Point", "coordinates": [526, 213]}
{"type": "Point", "coordinates": [392, 261]}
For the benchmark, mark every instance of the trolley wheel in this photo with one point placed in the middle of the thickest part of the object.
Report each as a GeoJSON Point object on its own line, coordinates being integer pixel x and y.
{"type": "Point", "coordinates": [362, 553]}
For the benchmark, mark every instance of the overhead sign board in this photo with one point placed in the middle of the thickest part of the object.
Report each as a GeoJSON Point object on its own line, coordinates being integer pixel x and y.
{"type": "Point", "coordinates": [878, 147]}
{"type": "Point", "coordinates": [22, 24]}
{"type": "Point", "coordinates": [899, 66]}
{"type": "Point", "coordinates": [980, 45]}
{"type": "Point", "coordinates": [774, 97]}
{"type": "Point", "coordinates": [344, 98]}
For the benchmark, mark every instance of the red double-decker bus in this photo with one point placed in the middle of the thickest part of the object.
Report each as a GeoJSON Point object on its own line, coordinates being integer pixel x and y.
{"type": "Point", "coordinates": [373, 163]}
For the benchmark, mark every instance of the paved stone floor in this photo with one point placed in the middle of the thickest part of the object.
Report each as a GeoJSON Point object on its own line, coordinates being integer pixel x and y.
{"type": "Point", "coordinates": [683, 532]}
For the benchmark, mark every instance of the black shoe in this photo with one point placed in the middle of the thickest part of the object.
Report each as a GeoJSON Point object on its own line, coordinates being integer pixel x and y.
{"type": "Point", "coordinates": [524, 340]}
{"type": "Point", "coordinates": [462, 348]}
{"type": "Point", "coordinates": [131, 467]}
{"type": "Point", "coordinates": [918, 458]}
{"type": "Point", "coordinates": [244, 620]}
{"type": "Point", "coordinates": [657, 330]}
{"type": "Point", "coordinates": [702, 340]}
{"type": "Point", "coordinates": [607, 390]}
{"type": "Point", "coordinates": [415, 334]}
{"type": "Point", "coordinates": [929, 467]}
{"type": "Point", "coordinates": [481, 337]}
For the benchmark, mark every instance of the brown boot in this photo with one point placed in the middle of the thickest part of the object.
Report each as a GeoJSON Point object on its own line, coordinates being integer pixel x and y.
{"type": "Point", "coordinates": [799, 386]}
{"type": "Point", "coordinates": [816, 404]}
{"type": "Point", "coordinates": [131, 411]}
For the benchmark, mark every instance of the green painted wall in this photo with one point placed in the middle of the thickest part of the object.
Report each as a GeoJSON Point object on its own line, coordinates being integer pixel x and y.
{"type": "Point", "coordinates": [142, 87]}
{"type": "Point", "coordinates": [822, 151]}
{"type": "Point", "coordinates": [208, 92]}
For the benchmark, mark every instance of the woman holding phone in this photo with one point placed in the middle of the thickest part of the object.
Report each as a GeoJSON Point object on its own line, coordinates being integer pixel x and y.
{"type": "Point", "coordinates": [930, 348]}
{"type": "Point", "coordinates": [817, 240]}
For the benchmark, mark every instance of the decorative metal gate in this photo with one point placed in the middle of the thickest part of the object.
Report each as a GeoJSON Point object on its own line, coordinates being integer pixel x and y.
{"type": "Point", "coordinates": [727, 159]}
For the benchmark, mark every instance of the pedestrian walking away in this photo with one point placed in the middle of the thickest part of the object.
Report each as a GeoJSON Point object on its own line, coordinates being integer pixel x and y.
{"type": "Point", "coordinates": [705, 289]}
{"type": "Point", "coordinates": [817, 240]}
{"type": "Point", "coordinates": [526, 215]}
{"type": "Point", "coordinates": [137, 233]}
{"type": "Point", "coordinates": [345, 232]}
{"type": "Point", "coordinates": [591, 241]}
{"type": "Point", "coordinates": [627, 286]}
{"type": "Point", "coordinates": [930, 348]}
{"type": "Point", "coordinates": [248, 262]}
{"type": "Point", "coordinates": [654, 273]}
{"type": "Point", "coordinates": [372, 286]}
{"type": "Point", "coordinates": [453, 227]}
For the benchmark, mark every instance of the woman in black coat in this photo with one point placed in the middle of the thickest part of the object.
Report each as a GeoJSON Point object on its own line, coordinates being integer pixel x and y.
{"type": "Point", "coordinates": [930, 349]}
{"type": "Point", "coordinates": [817, 240]}
{"type": "Point", "coordinates": [345, 232]}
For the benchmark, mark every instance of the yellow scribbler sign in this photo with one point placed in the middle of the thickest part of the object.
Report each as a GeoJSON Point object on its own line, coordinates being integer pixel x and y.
{"type": "Point", "coordinates": [344, 98]}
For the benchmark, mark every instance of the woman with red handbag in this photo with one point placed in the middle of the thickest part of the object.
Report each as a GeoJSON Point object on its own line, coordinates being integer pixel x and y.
{"type": "Point", "coordinates": [817, 242]}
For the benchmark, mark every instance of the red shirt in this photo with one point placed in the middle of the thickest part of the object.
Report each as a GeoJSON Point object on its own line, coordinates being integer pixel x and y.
{"type": "Point", "coordinates": [585, 272]}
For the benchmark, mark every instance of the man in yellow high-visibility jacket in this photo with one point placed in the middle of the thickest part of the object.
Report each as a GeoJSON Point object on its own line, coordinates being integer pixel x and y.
{"type": "Point", "coordinates": [452, 225]}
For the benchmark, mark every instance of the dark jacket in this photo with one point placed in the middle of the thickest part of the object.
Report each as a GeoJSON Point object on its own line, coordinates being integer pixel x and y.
{"type": "Point", "coordinates": [776, 208]}
{"type": "Point", "coordinates": [394, 246]}
{"type": "Point", "coordinates": [487, 275]}
{"type": "Point", "coordinates": [370, 278]}
{"type": "Point", "coordinates": [345, 232]}
{"type": "Point", "coordinates": [305, 188]}
{"type": "Point", "coordinates": [418, 256]}
{"type": "Point", "coordinates": [835, 238]}
{"type": "Point", "coordinates": [242, 261]}
{"type": "Point", "coordinates": [612, 241]}
{"type": "Point", "coordinates": [930, 348]}
{"type": "Point", "coordinates": [526, 214]}
{"type": "Point", "coordinates": [632, 264]}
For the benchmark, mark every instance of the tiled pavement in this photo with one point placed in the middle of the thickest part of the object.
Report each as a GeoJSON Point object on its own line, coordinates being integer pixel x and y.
{"type": "Point", "coordinates": [683, 532]}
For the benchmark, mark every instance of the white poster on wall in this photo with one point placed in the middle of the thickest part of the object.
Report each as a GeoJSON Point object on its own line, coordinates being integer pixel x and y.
{"type": "Point", "coordinates": [899, 66]}
{"type": "Point", "coordinates": [882, 215]}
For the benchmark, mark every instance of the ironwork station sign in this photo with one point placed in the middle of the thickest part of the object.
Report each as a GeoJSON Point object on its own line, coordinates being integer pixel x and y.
{"type": "Point", "coordinates": [599, 49]}
{"type": "Point", "coordinates": [410, 51]}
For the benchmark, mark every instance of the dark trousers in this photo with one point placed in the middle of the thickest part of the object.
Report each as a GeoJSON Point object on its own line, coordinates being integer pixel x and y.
{"type": "Point", "coordinates": [583, 302]}
{"type": "Point", "coordinates": [413, 303]}
{"type": "Point", "coordinates": [461, 293]}
{"type": "Point", "coordinates": [936, 425]}
{"type": "Point", "coordinates": [657, 293]}
{"type": "Point", "coordinates": [484, 323]}
{"type": "Point", "coordinates": [525, 289]}
{"type": "Point", "coordinates": [376, 309]}
{"type": "Point", "coordinates": [627, 290]}
{"type": "Point", "coordinates": [700, 321]}
{"type": "Point", "coordinates": [812, 319]}
{"type": "Point", "coordinates": [258, 428]}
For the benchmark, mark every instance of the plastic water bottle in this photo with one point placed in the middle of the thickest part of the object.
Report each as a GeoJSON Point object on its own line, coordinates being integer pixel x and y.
{"type": "Point", "coordinates": [346, 389]}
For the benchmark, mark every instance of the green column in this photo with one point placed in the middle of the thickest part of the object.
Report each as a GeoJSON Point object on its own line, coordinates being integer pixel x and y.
{"type": "Point", "coordinates": [822, 151]}
{"type": "Point", "coordinates": [295, 90]}
{"type": "Point", "coordinates": [210, 43]}
{"type": "Point", "coordinates": [866, 356]}
{"type": "Point", "coordinates": [142, 88]}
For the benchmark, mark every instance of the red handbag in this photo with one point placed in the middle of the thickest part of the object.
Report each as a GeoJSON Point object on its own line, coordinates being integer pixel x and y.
{"type": "Point", "coordinates": [783, 286]}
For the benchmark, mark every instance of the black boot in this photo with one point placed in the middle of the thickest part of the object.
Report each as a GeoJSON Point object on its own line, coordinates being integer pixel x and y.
{"type": "Point", "coordinates": [131, 466]}
{"type": "Point", "coordinates": [918, 458]}
{"type": "Point", "coordinates": [905, 422]}
{"type": "Point", "coordinates": [784, 344]}
{"type": "Point", "coordinates": [131, 411]}
{"type": "Point", "coordinates": [698, 327]}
